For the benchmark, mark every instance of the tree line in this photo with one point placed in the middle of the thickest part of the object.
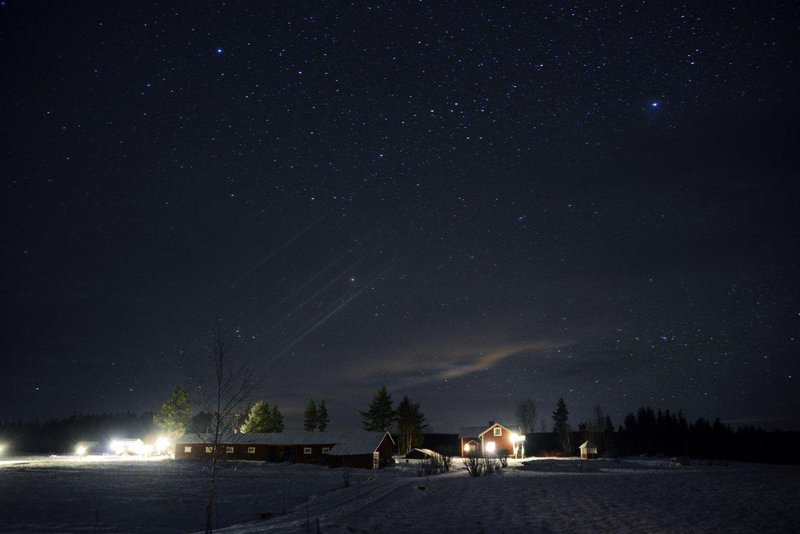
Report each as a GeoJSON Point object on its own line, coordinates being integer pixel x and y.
{"type": "Point", "coordinates": [657, 432]}
{"type": "Point", "coordinates": [407, 420]}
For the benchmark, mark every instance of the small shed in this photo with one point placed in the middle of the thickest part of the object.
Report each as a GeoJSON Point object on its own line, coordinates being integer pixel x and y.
{"type": "Point", "coordinates": [423, 454]}
{"type": "Point", "coordinates": [588, 450]}
{"type": "Point", "coordinates": [365, 450]}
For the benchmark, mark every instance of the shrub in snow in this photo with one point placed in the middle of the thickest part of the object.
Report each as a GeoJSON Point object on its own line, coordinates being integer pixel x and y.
{"type": "Point", "coordinates": [490, 466]}
{"type": "Point", "coordinates": [474, 465]}
{"type": "Point", "coordinates": [502, 455]}
{"type": "Point", "coordinates": [447, 461]}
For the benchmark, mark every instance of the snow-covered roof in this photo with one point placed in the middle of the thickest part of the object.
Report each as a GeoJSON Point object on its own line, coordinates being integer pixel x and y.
{"type": "Point", "coordinates": [587, 445]}
{"type": "Point", "coordinates": [422, 453]}
{"type": "Point", "coordinates": [342, 443]}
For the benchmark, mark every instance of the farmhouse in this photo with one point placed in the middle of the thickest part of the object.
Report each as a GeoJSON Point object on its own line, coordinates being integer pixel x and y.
{"type": "Point", "coordinates": [493, 440]}
{"type": "Point", "coordinates": [367, 450]}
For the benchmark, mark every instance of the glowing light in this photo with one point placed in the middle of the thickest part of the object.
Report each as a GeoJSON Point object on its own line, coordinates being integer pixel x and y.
{"type": "Point", "coordinates": [162, 445]}
{"type": "Point", "coordinates": [81, 450]}
{"type": "Point", "coordinates": [129, 446]}
{"type": "Point", "coordinates": [490, 446]}
{"type": "Point", "coordinates": [2, 448]}
{"type": "Point", "coordinates": [466, 447]}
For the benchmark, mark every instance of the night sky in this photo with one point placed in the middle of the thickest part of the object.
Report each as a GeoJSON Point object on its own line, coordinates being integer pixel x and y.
{"type": "Point", "coordinates": [469, 202]}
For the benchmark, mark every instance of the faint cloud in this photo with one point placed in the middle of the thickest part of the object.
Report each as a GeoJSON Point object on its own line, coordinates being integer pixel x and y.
{"type": "Point", "coordinates": [428, 364]}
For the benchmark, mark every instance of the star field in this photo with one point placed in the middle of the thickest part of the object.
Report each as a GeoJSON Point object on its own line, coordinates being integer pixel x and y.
{"type": "Point", "coordinates": [469, 202]}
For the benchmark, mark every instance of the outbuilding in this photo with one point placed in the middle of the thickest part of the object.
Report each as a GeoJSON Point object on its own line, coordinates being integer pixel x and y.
{"type": "Point", "coordinates": [588, 450]}
{"type": "Point", "coordinates": [370, 450]}
{"type": "Point", "coordinates": [423, 454]}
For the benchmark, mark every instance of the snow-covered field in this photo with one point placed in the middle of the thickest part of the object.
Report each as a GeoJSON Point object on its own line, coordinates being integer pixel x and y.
{"type": "Point", "coordinates": [63, 494]}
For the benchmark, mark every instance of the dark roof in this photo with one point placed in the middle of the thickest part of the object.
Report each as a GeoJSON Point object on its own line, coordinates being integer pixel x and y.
{"type": "Point", "coordinates": [471, 431]}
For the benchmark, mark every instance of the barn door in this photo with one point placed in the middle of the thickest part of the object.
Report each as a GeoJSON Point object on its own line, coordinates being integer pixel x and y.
{"type": "Point", "coordinates": [376, 460]}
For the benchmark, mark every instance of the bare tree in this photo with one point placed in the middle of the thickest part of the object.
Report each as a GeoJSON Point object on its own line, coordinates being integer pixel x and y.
{"type": "Point", "coordinates": [526, 414]}
{"type": "Point", "coordinates": [228, 394]}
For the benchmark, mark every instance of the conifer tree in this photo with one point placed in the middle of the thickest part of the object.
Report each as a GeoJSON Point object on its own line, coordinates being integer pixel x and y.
{"type": "Point", "coordinates": [561, 426]}
{"type": "Point", "coordinates": [276, 420]}
{"type": "Point", "coordinates": [263, 418]}
{"type": "Point", "coordinates": [322, 417]}
{"type": "Point", "coordinates": [310, 416]}
{"type": "Point", "coordinates": [380, 416]}
{"type": "Point", "coordinates": [175, 415]}
{"type": "Point", "coordinates": [410, 423]}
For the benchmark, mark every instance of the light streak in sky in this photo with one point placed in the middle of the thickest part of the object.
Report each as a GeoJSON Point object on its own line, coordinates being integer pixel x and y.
{"type": "Point", "coordinates": [331, 313]}
{"type": "Point", "coordinates": [275, 252]}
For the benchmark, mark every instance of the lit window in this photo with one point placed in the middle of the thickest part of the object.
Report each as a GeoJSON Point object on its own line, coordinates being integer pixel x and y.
{"type": "Point", "coordinates": [498, 431]}
{"type": "Point", "coordinates": [208, 450]}
{"type": "Point", "coordinates": [187, 448]}
{"type": "Point", "coordinates": [229, 450]}
{"type": "Point", "coordinates": [466, 447]}
{"type": "Point", "coordinates": [306, 450]}
{"type": "Point", "coordinates": [490, 446]}
{"type": "Point", "coordinates": [326, 450]}
{"type": "Point", "coordinates": [251, 450]}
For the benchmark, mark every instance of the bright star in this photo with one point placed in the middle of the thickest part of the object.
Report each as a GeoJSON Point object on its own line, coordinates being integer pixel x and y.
{"type": "Point", "coordinates": [655, 104]}
{"type": "Point", "coordinates": [219, 51]}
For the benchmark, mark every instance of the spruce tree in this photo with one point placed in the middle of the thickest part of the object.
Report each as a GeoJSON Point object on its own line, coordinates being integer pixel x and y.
{"type": "Point", "coordinates": [276, 420]}
{"type": "Point", "coordinates": [561, 426]}
{"type": "Point", "coordinates": [263, 418]}
{"type": "Point", "coordinates": [322, 417]}
{"type": "Point", "coordinates": [410, 423]}
{"type": "Point", "coordinates": [380, 416]}
{"type": "Point", "coordinates": [258, 418]}
{"type": "Point", "coordinates": [310, 416]}
{"type": "Point", "coordinates": [175, 415]}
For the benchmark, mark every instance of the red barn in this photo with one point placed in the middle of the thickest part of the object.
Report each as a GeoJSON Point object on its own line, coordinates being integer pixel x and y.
{"type": "Point", "coordinates": [491, 441]}
{"type": "Point", "coordinates": [341, 449]}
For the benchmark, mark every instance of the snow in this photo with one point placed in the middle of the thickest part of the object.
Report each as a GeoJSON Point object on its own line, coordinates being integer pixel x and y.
{"type": "Point", "coordinates": [110, 494]}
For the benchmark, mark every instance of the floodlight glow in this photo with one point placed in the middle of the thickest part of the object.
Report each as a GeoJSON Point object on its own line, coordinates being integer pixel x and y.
{"type": "Point", "coordinates": [117, 446]}
{"type": "Point", "coordinates": [466, 447]}
{"type": "Point", "coordinates": [2, 448]}
{"type": "Point", "coordinates": [162, 445]}
{"type": "Point", "coordinates": [81, 450]}
{"type": "Point", "coordinates": [490, 446]}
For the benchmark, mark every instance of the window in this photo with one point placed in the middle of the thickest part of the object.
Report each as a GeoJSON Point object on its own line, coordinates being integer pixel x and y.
{"type": "Point", "coordinates": [251, 450]}
{"type": "Point", "coordinates": [306, 450]}
{"type": "Point", "coordinates": [187, 448]}
{"type": "Point", "coordinates": [498, 431]}
{"type": "Point", "coordinates": [208, 450]}
{"type": "Point", "coordinates": [326, 450]}
{"type": "Point", "coordinates": [229, 450]}
{"type": "Point", "coordinates": [490, 446]}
